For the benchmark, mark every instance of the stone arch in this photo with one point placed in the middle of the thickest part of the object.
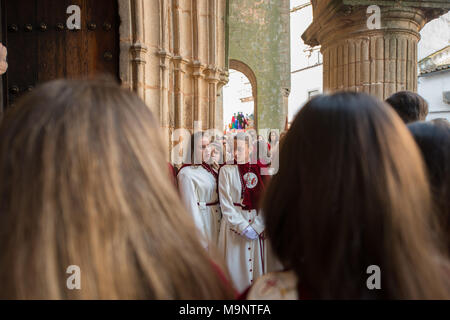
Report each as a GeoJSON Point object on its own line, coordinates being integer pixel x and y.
{"type": "Point", "coordinates": [248, 72]}
{"type": "Point", "coordinates": [132, 48]}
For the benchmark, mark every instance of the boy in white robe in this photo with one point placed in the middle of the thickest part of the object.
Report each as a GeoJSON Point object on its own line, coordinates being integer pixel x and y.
{"type": "Point", "coordinates": [241, 237]}
{"type": "Point", "coordinates": [197, 184]}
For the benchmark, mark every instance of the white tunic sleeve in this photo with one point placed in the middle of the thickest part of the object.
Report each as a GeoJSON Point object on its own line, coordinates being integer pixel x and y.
{"type": "Point", "coordinates": [189, 198]}
{"type": "Point", "coordinates": [229, 212]}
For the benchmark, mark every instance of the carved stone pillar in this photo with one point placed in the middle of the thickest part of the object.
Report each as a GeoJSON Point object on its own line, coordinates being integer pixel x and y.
{"type": "Point", "coordinates": [173, 56]}
{"type": "Point", "coordinates": [198, 74]}
{"type": "Point", "coordinates": [357, 57]}
{"type": "Point", "coordinates": [139, 51]}
{"type": "Point", "coordinates": [213, 79]}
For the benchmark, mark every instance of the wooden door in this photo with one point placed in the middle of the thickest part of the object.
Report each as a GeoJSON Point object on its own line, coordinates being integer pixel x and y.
{"type": "Point", "coordinates": [42, 46]}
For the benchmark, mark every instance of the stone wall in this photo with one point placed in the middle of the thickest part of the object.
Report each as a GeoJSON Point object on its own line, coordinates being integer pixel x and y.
{"type": "Point", "coordinates": [259, 37]}
{"type": "Point", "coordinates": [173, 56]}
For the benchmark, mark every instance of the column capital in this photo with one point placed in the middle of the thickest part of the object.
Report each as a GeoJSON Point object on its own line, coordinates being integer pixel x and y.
{"type": "Point", "coordinates": [336, 20]}
{"type": "Point", "coordinates": [139, 51]}
{"type": "Point", "coordinates": [213, 74]}
{"type": "Point", "coordinates": [197, 69]}
{"type": "Point", "coordinates": [180, 63]}
{"type": "Point", "coordinates": [224, 77]}
{"type": "Point", "coordinates": [165, 58]}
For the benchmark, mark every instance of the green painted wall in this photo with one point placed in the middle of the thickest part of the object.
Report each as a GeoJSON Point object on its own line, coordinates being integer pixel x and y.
{"type": "Point", "coordinates": [259, 36]}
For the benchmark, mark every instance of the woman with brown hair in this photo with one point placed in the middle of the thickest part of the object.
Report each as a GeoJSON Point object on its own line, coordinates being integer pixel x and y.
{"type": "Point", "coordinates": [84, 183]}
{"type": "Point", "coordinates": [433, 139]}
{"type": "Point", "coordinates": [351, 198]}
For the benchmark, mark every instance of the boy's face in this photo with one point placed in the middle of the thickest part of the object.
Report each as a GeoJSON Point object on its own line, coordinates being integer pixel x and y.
{"type": "Point", "coordinates": [241, 151]}
{"type": "Point", "coordinates": [215, 154]}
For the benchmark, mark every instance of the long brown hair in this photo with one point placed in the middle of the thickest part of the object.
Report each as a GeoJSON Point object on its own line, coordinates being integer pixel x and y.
{"type": "Point", "coordinates": [84, 182]}
{"type": "Point", "coordinates": [351, 192]}
{"type": "Point", "coordinates": [433, 139]}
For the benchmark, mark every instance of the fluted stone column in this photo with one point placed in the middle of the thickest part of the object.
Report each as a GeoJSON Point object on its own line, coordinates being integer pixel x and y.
{"type": "Point", "coordinates": [378, 61]}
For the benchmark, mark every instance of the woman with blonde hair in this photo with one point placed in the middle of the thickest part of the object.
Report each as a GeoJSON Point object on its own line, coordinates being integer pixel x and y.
{"type": "Point", "coordinates": [84, 183]}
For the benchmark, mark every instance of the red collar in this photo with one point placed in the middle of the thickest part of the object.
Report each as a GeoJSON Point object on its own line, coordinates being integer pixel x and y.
{"type": "Point", "coordinates": [205, 166]}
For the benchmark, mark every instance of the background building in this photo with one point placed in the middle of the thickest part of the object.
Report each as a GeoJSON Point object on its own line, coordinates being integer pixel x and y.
{"type": "Point", "coordinates": [434, 66]}
{"type": "Point", "coordinates": [306, 61]}
{"type": "Point", "coordinates": [432, 55]}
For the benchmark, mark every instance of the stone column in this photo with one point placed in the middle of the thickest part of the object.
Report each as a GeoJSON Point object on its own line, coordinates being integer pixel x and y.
{"type": "Point", "coordinates": [173, 56]}
{"type": "Point", "coordinates": [365, 58]}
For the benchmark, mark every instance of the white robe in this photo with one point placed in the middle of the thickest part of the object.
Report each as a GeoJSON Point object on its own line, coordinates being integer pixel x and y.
{"type": "Point", "coordinates": [198, 187]}
{"type": "Point", "coordinates": [245, 258]}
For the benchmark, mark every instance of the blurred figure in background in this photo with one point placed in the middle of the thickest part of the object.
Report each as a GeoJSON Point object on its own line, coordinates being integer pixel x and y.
{"type": "Point", "coordinates": [273, 141]}
{"type": "Point", "coordinates": [441, 122]}
{"type": "Point", "coordinates": [228, 152]}
{"type": "Point", "coordinates": [434, 142]}
{"type": "Point", "coordinates": [3, 63]}
{"type": "Point", "coordinates": [409, 106]}
{"type": "Point", "coordinates": [260, 153]}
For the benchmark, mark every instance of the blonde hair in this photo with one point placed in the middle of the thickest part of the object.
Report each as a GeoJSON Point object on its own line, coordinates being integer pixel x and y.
{"type": "Point", "coordinates": [84, 182]}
